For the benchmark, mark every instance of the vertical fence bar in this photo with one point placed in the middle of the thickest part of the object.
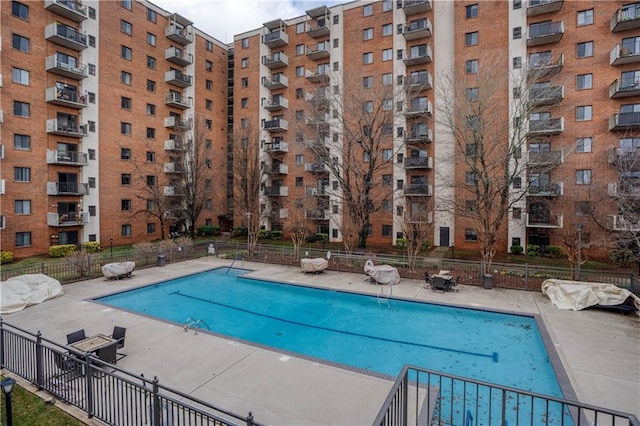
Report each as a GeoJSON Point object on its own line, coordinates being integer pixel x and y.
{"type": "Point", "coordinates": [1, 343]}
{"type": "Point", "coordinates": [526, 276]}
{"type": "Point", "coordinates": [156, 417]}
{"type": "Point", "coordinates": [89, 383]}
{"type": "Point", "coordinates": [39, 361]}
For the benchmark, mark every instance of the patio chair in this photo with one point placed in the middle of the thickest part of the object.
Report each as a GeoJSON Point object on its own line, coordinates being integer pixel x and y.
{"type": "Point", "coordinates": [119, 335]}
{"type": "Point", "coordinates": [443, 284]}
{"type": "Point", "coordinates": [76, 336]}
{"type": "Point", "coordinates": [428, 280]}
{"type": "Point", "coordinates": [108, 353]}
{"type": "Point", "coordinates": [71, 367]}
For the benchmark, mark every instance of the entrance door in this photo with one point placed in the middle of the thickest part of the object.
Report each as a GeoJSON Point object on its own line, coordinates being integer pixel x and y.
{"type": "Point", "coordinates": [444, 236]}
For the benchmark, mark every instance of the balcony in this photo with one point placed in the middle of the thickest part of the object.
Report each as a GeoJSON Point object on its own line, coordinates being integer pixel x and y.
{"type": "Point", "coordinates": [277, 60]}
{"type": "Point", "coordinates": [65, 97]}
{"type": "Point", "coordinates": [551, 126]}
{"type": "Point", "coordinates": [174, 144]}
{"type": "Point", "coordinates": [544, 68]}
{"type": "Point", "coordinates": [624, 188]}
{"type": "Point", "coordinates": [624, 87]}
{"type": "Point", "coordinates": [546, 190]}
{"type": "Point", "coordinates": [177, 123]}
{"type": "Point", "coordinates": [70, 9]}
{"type": "Point", "coordinates": [275, 39]}
{"type": "Point", "coordinates": [66, 36]}
{"type": "Point", "coordinates": [178, 56]}
{"type": "Point", "coordinates": [620, 223]}
{"type": "Point", "coordinates": [419, 56]}
{"type": "Point", "coordinates": [67, 188]}
{"type": "Point", "coordinates": [276, 191]}
{"type": "Point", "coordinates": [179, 30]}
{"type": "Point", "coordinates": [177, 78]}
{"type": "Point", "coordinates": [418, 190]}
{"type": "Point", "coordinates": [317, 77]}
{"type": "Point", "coordinates": [622, 55]}
{"type": "Point", "coordinates": [418, 82]}
{"type": "Point", "coordinates": [276, 125]}
{"type": "Point", "coordinates": [58, 64]}
{"type": "Point", "coordinates": [420, 28]}
{"type": "Point", "coordinates": [318, 52]}
{"type": "Point", "coordinates": [173, 167]}
{"type": "Point", "coordinates": [418, 109]}
{"type": "Point", "coordinates": [319, 101]}
{"type": "Point", "coordinates": [320, 168]}
{"type": "Point", "coordinates": [66, 158]}
{"type": "Point", "coordinates": [316, 191]}
{"type": "Point", "coordinates": [625, 159]}
{"type": "Point", "coordinates": [276, 146]}
{"type": "Point", "coordinates": [321, 122]}
{"type": "Point", "coordinates": [317, 214]}
{"type": "Point", "coordinates": [277, 169]}
{"type": "Point", "coordinates": [544, 221]}
{"type": "Point", "coordinates": [626, 18]}
{"type": "Point", "coordinates": [283, 213]}
{"type": "Point", "coordinates": [171, 191]}
{"type": "Point", "coordinates": [418, 163]}
{"type": "Point", "coordinates": [276, 104]}
{"type": "Point", "coordinates": [624, 121]}
{"type": "Point", "coordinates": [277, 81]}
{"type": "Point", "coordinates": [413, 7]}
{"type": "Point", "coordinates": [545, 33]}
{"type": "Point", "coordinates": [546, 95]}
{"type": "Point", "coordinates": [178, 100]}
{"type": "Point", "coordinates": [319, 25]}
{"type": "Point", "coordinates": [541, 7]}
{"type": "Point", "coordinates": [65, 128]}
{"type": "Point", "coordinates": [67, 219]}
{"type": "Point", "coordinates": [419, 137]}
{"type": "Point", "coordinates": [548, 158]}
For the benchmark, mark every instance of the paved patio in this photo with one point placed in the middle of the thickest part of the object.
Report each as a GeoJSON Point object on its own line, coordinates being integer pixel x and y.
{"type": "Point", "coordinates": [600, 350]}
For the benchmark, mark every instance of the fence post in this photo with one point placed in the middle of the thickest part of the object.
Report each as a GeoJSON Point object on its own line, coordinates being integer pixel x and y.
{"type": "Point", "coordinates": [156, 417]}
{"type": "Point", "coordinates": [42, 268]}
{"type": "Point", "coordinates": [88, 370]}
{"type": "Point", "coordinates": [526, 276]}
{"type": "Point", "coordinates": [250, 419]}
{"type": "Point", "coordinates": [39, 360]}
{"type": "Point", "coordinates": [1, 343]}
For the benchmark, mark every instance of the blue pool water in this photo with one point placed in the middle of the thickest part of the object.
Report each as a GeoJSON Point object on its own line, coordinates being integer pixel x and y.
{"type": "Point", "coordinates": [355, 330]}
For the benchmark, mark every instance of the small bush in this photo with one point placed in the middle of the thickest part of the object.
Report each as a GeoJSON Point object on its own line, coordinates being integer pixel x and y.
{"type": "Point", "coordinates": [62, 250]}
{"type": "Point", "coordinates": [6, 257]}
{"type": "Point", "coordinates": [275, 235]}
{"type": "Point", "coordinates": [621, 257]}
{"type": "Point", "coordinates": [91, 246]}
{"type": "Point", "coordinates": [263, 234]}
{"type": "Point", "coordinates": [317, 238]}
{"type": "Point", "coordinates": [554, 252]}
{"type": "Point", "coordinates": [533, 250]}
{"type": "Point", "coordinates": [240, 231]}
{"type": "Point", "coordinates": [208, 230]}
{"type": "Point", "coordinates": [401, 242]}
{"type": "Point", "coordinates": [183, 241]}
{"type": "Point", "coordinates": [426, 245]}
{"type": "Point", "coordinates": [517, 249]}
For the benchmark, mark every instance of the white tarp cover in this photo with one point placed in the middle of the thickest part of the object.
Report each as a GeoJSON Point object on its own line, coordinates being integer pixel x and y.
{"type": "Point", "coordinates": [382, 274]}
{"type": "Point", "coordinates": [25, 290]}
{"type": "Point", "coordinates": [314, 265]}
{"type": "Point", "coordinates": [577, 295]}
{"type": "Point", "coordinates": [118, 269]}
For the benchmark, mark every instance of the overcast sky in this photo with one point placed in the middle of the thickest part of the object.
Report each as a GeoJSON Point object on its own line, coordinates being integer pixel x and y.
{"type": "Point", "coordinates": [225, 18]}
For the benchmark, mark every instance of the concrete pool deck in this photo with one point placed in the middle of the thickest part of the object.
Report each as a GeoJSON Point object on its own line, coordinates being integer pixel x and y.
{"type": "Point", "coordinates": [600, 350]}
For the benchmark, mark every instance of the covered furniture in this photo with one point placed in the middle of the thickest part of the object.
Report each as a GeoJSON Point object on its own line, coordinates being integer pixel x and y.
{"type": "Point", "coordinates": [26, 290]}
{"type": "Point", "coordinates": [577, 295]}
{"type": "Point", "coordinates": [314, 266]}
{"type": "Point", "coordinates": [381, 274]}
{"type": "Point", "coordinates": [118, 270]}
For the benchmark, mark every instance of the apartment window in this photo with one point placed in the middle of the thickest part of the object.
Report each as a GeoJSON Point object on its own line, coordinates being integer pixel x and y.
{"type": "Point", "coordinates": [367, 10]}
{"type": "Point", "coordinates": [151, 228]}
{"type": "Point", "coordinates": [245, 43]}
{"type": "Point", "coordinates": [20, 76]}
{"type": "Point", "coordinates": [21, 142]}
{"type": "Point", "coordinates": [387, 79]}
{"type": "Point", "coordinates": [300, 28]}
{"type": "Point", "coordinates": [208, 104]}
{"type": "Point", "coordinates": [125, 128]}
{"type": "Point", "coordinates": [151, 133]}
{"type": "Point", "coordinates": [367, 58]}
{"type": "Point", "coordinates": [244, 82]}
{"type": "Point", "coordinates": [20, 43]}
{"type": "Point", "coordinates": [21, 109]}
{"type": "Point", "coordinates": [367, 34]}
{"type": "Point", "coordinates": [92, 125]}
{"type": "Point", "coordinates": [584, 81]}
{"type": "Point", "coordinates": [470, 234]}
{"type": "Point", "coordinates": [151, 155]}
{"type": "Point", "coordinates": [126, 230]}
{"type": "Point", "coordinates": [91, 181]}
{"type": "Point", "coordinates": [208, 124]}
{"type": "Point", "coordinates": [151, 109]}
{"type": "Point", "coordinates": [517, 214]}
{"type": "Point", "coordinates": [584, 113]}
{"type": "Point", "coordinates": [125, 205]}
{"type": "Point", "coordinates": [92, 13]}
{"type": "Point", "coordinates": [151, 86]}
{"type": "Point", "coordinates": [387, 30]}
{"type": "Point", "coordinates": [517, 62]}
{"type": "Point", "coordinates": [151, 205]}
{"type": "Point", "coordinates": [125, 78]}
{"type": "Point", "coordinates": [300, 71]}
{"type": "Point", "coordinates": [244, 102]}
{"type": "Point", "coordinates": [208, 65]}
{"type": "Point", "coordinates": [583, 177]}
{"type": "Point", "coordinates": [125, 52]}
{"type": "Point", "coordinates": [517, 4]}
{"type": "Point", "coordinates": [585, 49]}
{"type": "Point", "coordinates": [387, 154]}
{"type": "Point", "coordinates": [151, 182]}
{"type": "Point", "coordinates": [470, 178]}
{"type": "Point", "coordinates": [387, 105]}
{"type": "Point", "coordinates": [125, 179]}
{"type": "Point", "coordinates": [471, 66]}
{"type": "Point", "coordinates": [125, 153]}
{"type": "Point", "coordinates": [244, 62]}
{"type": "Point", "coordinates": [367, 82]}
{"type": "Point", "coordinates": [208, 84]}
{"type": "Point", "coordinates": [336, 19]}
{"type": "Point", "coordinates": [472, 94]}
{"type": "Point", "coordinates": [299, 181]}
{"type": "Point", "coordinates": [92, 40]}
{"type": "Point", "coordinates": [23, 239]}
{"type": "Point", "coordinates": [299, 49]}
{"type": "Point", "coordinates": [92, 69]}
{"type": "Point", "coordinates": [126, 4]}
{"type": "Point", "coordinates": [299, 116]}
{"type": "Point", "coordinates": [20, 10]}
{"type": "Point", "coordinates": [92, 97]}
{"type": "Point", "coordinates": [299, 93]}
{"type": "Point", "coordinates": [22, 207]}
{"type": "Point", "coordinates": [151, 39]}
{"type": "Point", "coordinates": [125, 103]}
{"type": "Point", "coordinates": [152, 16]}
{"type": "Point", "coordinates": [471, 39]}
{"type": "Point", "coordinates": [92, 210]}
{"type": "Point", "coordinates": [387, 54]}
{"type": "Point", "coordinates": [471, 11]}
{"type": "Point", "coordinates": [517, 91]}
{"type": "Point", "coordinates": [336, 42]}
{"type": "Point", "coordinates": [208, 143]}
{"type": "Point", "coordinates": [387, 229]}
{"type": "Point", "coordinates": [583, 145]}
{"type": "Point", "coordinates": [126, 27]}
{"type": "Point", "coordinates": [387, 5]}
{"type": "Point", "coordinates": [22, 174]}
{"type": "Point", "coordinates": [368, 106]}
{"type": "Point", "coordinates": [517, 33]}
{"type": "Point", "coordinates": [585, 17]}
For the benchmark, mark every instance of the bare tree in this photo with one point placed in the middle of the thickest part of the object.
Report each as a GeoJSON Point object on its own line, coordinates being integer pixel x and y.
{"type": "Point", "coordinates": [416, 230]}
{"type": "Point", "coordinates": [297, 225]}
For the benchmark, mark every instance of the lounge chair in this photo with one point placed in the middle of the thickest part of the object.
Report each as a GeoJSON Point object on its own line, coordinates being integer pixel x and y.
{"type": "Point", "coordinates": [76, 336]}
{"type": "Point", "coordinates": [119, 334]}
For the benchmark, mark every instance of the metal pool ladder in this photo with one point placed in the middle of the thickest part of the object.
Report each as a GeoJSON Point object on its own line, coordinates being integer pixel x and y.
{"type": "Point", "coordinates": [195, 324]}
{"type": "Point", "coordinates": [234, 261]}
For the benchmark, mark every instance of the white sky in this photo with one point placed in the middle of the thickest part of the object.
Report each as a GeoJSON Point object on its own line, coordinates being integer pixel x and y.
{"type": "Point", "coordinates": [225, 18]}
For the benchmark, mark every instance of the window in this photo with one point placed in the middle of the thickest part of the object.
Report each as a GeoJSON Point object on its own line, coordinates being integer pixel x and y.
{"type": "Point", "coordinates": [472, 94]}
{"type": "Point", "coordinates": [387, 105]}
{"type": "Point", "coordinates": [151, 86]}
{"type": "Point", "coordinates": [91, 181]}
{"type": "Point", "coordinates": [245, 43]}
{"type": "Point", "coordinates": [583, 144]}
{"type": "Point", "coordinates": [22, 207]}
{"type": "Point", "coordinates": [208, 143]}
{"type": "Point", "coordinates": [336, 19]}
{"type": "Point", "coordinates": [21, 109]}
{"type": "Point", "coordinates": [387, 229]}
{"type": "Point", "coordinates": [151, 133]}
{"type": "Point", "coordinates": [471, 66]}
{"type": "Point", "coordinates": [517, 214]}
{"type": "Point", "coordinates": [387, 30]}
{"type": "Point", "coordinates": [125, 205]}
{"type": "Point", "coordinates": [470, 178]}
{"type": "Point", "coordinates": [367, 58]}
{"type": "Point", "coordinates": [387, 154]}
{"type": "Point", "coordinates": [387, 180]}
{"type": "Point", "coordinates": [517, 62]}
{"type": "Point", "coordinates": [126, 4]}
{"type": "Point", "coordinates": [367, 10]}
{"type": "Point", "coordinates": [208, 65]}
{"type": "Point", "coordinates": [151, 156]}
{"type": "Point", "coordinates": [125, 179]}
{"type": "Point", "coordinates": [125, 153]}
{"type": "Point", "coordinates": [471, 39]}
{"type": "Point", "coordinates": [300, 71]}
{"type": "Point", "coordinates": [367, 82]}
{"type": "Point", "coordinates": [20, 10]}
{"type": "Point", "coordinates": [208, 84]}
{"type": "Point", "coordinates": [244, 123]}
{"type": "Point", "coordinates": [584, 81]}
{"type": "Point", "coordinates": [151, 181]}
{"type": "Point", "coordinates": [470, 235]}
{"type": "Point", "coordinates": [20, 76]}
{"type": "Point", "coordinates": [125, 78]}
{"type": "Point", "coordinates": [583, 177]}
{"type": "Point", "coordinates": [585, 17]}
{"type": "Point", "coordinates": [517, 183]}
{"type": "Point", "coordinates": [125, 52]}
{"type": "Point", "coordinates": [584, 208]}
{"type": "Point", "coordinates": [22, 174]}
{"type": "Point", "coordinates": [92, 13]}
{"type": "Point", "coordinates": [583, 113]}
{"type": "Point", "coordinates": [387, 79]}
{"type": "Point", "coordinates": [151, 16]}
{"type": "Point", "coordinates": [336, 42]}
{"type": "Point", "coordinates": [584, 50]}
{"type": "Point", "coordinates": [92, 97]}
{"type": "Point", "coordinates": [244, 82]}
{"type": "Point", "coordinates": [517, 4]}
{"type": "Point", "coordinates": [21, 141]}
{"type": "Point", "coordinates": [471, 11]}
{"type": "Point", "coordinates": [126, 230]}
{"type": "Point", "coordinates": [300, 28]}
{"type": "Point", "coordinates": [367, 34]}
{"type": "Point", "coordinates": [299, 181]}
{"type": "Point", "coordinates": [126, 27]}
{"type": "Point", "coordinates": [151, 228]}
{"type": "Point", "coordinates": [125, 128]}
{"type": "Point", "coordinates": [20, 43]}
{"type": "Point", "coordinates": [125, 103]}
{"type": "Point", "coordinates": [244, 62]}
{"type": "Point", "coordinates": [208, 124]}
{"type": "Point", "coordinates": [92, 210]}
{"type": "Point", "coordinates": [208, 104]}
{"type": "Point", "coordinates": [23, 239]}
{"type": "Point", "coordinates": [92, 69]}
{"type": "Point", "coordinates": [92, 125]}
{"type": "Point", "coordinates": [387, 5]}
{"type": "Point", "coordinates": [151, 39]}
{"type": "Point", "coordinates": [517, 33]}
{"type": "Point", "coordinates": [387, 54]}
{"type": "Point", "coordinates": [151, 109]}
{"type": "Point", "coordinates": [368, 106]}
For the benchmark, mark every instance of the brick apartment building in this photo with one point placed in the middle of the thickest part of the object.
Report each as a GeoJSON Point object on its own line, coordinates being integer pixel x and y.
{"type": "Point", "coordinates": [124, 83]}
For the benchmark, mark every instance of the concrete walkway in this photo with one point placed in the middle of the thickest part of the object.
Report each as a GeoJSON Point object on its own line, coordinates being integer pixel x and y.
{"type": "Point", "coordinates": [600, 350]}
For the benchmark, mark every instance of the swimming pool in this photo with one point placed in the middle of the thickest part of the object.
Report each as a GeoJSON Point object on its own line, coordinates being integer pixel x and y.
{"type": "Point", "coordinates": [354, 330]}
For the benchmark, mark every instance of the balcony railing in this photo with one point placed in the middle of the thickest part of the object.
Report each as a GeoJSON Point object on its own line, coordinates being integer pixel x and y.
{"type": "Point", "coordinates": [317, 77]}
{"type": "Point", "coordinates": [419, 81]}
{"type": "Point", "coordinates": [623, 55]}
{"type": "Point", "coordinates": [276, 125]}
{"type": "Point", "coordinates": [551, 126]}
{"type": "Point", "coordinates": [173, 168]}
{"type": "Point", "coordinates": [624, 87]}
{"type": "Point", "coordinates": [178, 56]}
{"type": "Point", "coordinates": [276, 146]}
{"type": "Point", "coordinates": [174, 145]}
{"type": "Point", "coordinates": [70, 9]}
{"type": "Point", "coordinates": [66, 36]}
{"type": "Point", "coordinates": [540, 68]}
{"type": "Point", "coordinates": [413, 7]}
{"type": "Point", "coordinates": [623, 121]}
{"type": "Point", "coordinates": [545, 32]}
{"type": "Point", "coordinates": [277, 169]}
{"type": "Point", "coordinates": [541, 7]}
{"type": "Point", "coordinates": [418, 190]}
{"type": "Point", "coordinates": [316, 191]}
{"type": "Point", "coordinates": [316, 168]}
{"type": "Point", "coordinates": [277, 60]}
{"type": "Point", "coordinates": [177, 123]}
{"type": "Point", "coordinates": [419, 137]}
{"type": "Point", "coordinates": [318, 52]}
{"type": "Point", "coordinates": [65, 97]}
{"type": "Point", "coordinates": [317, 214]}
{"type": "Point", "coordinates": [276, 191]}
{"type": "Point", "coordinates": [422, 56]}
{"type": "Point", "coordinates": [177, 78]}
{"type": "Point", "coordinates": [546, 95]}
{"type": "Point", "coordinates": [318, 28]}
{"type": "Point", "coordinates": [546, 190]}
{"type": "Point", "coordinates": [171, 191]}
{"type": "Point", "coordinates": [626, 18]}
{"type": "Point", "coordinates": [178, 100]}
{"type": "Point", "coordinates": [67, 219]}
{"type": "Point", "coordinates": [64, 128]}
{"type": "Point", "coordinates": [544, 221]}
{"type": "Point", "coordinates": [624, 188]}
{"type": "Point", "coordinates": [419, 109]}
{"type": "Point", "coordinates": [58, 64]}
{"type": "Point", "coordinates": [417, 29]}
{"type": "Point", "coordinates": [418, 163]}
{"type": "Point", "coordinates": [67, 188]}
{"type": "Point", "coordinates": [621, 223]}
{"type": "Point", "coordinates": [276, 104]}
{"type": "Point", "coordinates": [548, 158]}
{"type": "Point", "coordinates": [277, 81]}
{"type": "Point", "coordinates": [625, 159]}
{"type": "Point", "coordinates": [67, 158]}
{"type": "Point", "coordinates": [179, 34]}
{"type": "Point", "coordinates": [275, 39]}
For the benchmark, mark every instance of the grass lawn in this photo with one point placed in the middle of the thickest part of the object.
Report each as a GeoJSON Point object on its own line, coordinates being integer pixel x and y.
{"type": "Point", "coordinates": [29, 409]}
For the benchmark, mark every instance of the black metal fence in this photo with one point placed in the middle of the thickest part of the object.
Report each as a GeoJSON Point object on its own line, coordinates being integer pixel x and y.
{"type": "Point", "coordinates": [104, 391]}
{"type": "Point", "coordinates": [425, 397]}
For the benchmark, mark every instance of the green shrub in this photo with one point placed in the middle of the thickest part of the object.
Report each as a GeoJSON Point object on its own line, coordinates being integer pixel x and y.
{"type": "Point", "coordinates": [263, 234]}
{"type": "Point", "coordinates": [621, 257]}
{"type": "Point", "coordinates": [517, 249]}
{"type": "Point", "coordinates": [62, 250]}
{"type": "Point", "coordinates": [401, 242]}
{"type": "Point", "coordinates": [6, 257]}
{"type": "Point", "coordinates": [533, 250]}
{"type": "Point", "coordinates": [240, 231]}
{"type": "Point", "coordinates": [426, 245]}
{"type": "Point", "coordinates": [317, 238]}
{"type": "Point", "coordinates": [554, 251]}
{"type": "Point", "coordinates": [91, 246]}
{"type": "Point", "coordinates": [275, 235]}
{"type": "Point", "coordinates": [208, 230]}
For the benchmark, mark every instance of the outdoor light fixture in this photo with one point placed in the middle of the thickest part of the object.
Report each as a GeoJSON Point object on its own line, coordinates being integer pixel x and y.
{"type": "Point", "coordinates": [7, 388]}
